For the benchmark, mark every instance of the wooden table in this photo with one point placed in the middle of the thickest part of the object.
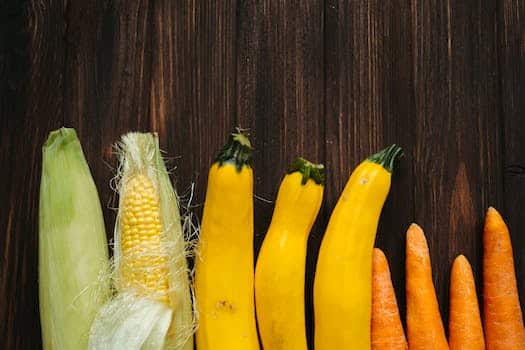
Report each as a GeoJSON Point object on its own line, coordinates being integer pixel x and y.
{"type": "Point", "coordinates": [330, 80]}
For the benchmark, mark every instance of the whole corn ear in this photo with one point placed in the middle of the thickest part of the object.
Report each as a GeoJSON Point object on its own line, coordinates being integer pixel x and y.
{"type": "Point", "coordinates": [150, 269]}
{"type": "Point", "coordinates": [73, 256]}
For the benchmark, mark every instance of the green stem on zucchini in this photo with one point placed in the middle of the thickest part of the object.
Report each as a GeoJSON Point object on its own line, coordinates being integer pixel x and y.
{"type": "Point", "coordinates": [238, 150]}
{"type": "Point", "coordinates": [309, 170]}
{"type": "Point", "coordinates": [387, 157]}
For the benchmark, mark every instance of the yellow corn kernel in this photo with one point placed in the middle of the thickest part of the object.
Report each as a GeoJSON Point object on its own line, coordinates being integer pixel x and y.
{"type": "Point", "coordinates": [144, 263]}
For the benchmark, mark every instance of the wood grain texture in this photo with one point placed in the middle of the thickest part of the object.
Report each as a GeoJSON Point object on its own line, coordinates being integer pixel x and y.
{"type": "Point", "coordinates": [193, 87]}
{"type": "Point", "coordinates": [31, 110]}
{"type": "Point", "coordinates": [329, 80]}
{"type": "Point", "coordinates": [458, 177]}
{"type": "Point", "coordinates": [511, 30]}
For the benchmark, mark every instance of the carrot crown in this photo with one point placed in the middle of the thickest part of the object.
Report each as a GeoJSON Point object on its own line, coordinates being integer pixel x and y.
{"type": "Point", "coordinates": [387, 157]}
{"type": "Point", "coordinates": [309, 170]}
{"type": "Point", "coordinates": [238, 150]}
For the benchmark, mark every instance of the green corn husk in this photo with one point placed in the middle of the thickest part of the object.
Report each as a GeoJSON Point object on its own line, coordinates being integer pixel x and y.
{"type": "Point", "coordinates": [73, 254]}
{"type": "Point", "coordinates": [121, 323]}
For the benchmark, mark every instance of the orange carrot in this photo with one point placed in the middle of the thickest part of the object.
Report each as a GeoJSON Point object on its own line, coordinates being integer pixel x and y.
{"type": "Point", "coordinates": [465, 331]}
{"type": "Point", "coordinates": [424, 326]}
{"type": "Point", "coordinates": [502, 314]}
{"type": "Point", "coordinates": [387, 331]}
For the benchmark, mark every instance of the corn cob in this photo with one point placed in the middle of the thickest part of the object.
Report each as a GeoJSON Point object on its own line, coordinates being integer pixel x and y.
{"type": "Point", "coordinates": [150, 270]}
{"type": "Point", "coordinates": [144, 262]}
{"type": "Point", "coordinates": [73, 256]}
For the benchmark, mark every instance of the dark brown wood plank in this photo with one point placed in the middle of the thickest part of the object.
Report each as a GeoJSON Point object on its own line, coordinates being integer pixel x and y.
{"type": "Point", "coordinates": [456, 159]}
{"type": "Point", "coordinates": [280, 98]}
{"type": "Point", "coordinates": [106, 69]}
{"type": "Point", "coordinates": [193, 86]}
{"type": "Point", "coordinates": [107, 90]}
{"type": "Point", "coordinates": [369, 105]}
{"type": "Point", "coordinates": [511, 24]}
{"type": "Point", "coordinates": [34, 107]}
{"type": "Point", "coordinates": [398, 119]}
{"type": "Point", "coordinates": [14, 67]}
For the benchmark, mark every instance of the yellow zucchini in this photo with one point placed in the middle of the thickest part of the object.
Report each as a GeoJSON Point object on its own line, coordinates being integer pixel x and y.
{"type": "Point", "coordinates": [342, 286]}
{"type": "Point", "coordinates": [224, 277]}
{"type": "Point", "coordinates": [279, 274]}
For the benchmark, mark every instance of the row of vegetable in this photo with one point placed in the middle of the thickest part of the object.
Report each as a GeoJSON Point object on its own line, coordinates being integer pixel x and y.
{"type": "Point", "coordinates": [502, 326]}
{"type": "Point", "coordinates": [146, 296]}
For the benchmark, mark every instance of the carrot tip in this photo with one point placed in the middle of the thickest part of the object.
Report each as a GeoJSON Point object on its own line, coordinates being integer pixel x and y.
{"type": "Point", "coordinates": [413, 228]}
{"type": "Point", "coordinates": [416, 240]}
{"type": "Point", "coordinates": [493, 213]}
{"type": "Point", "coordinates": [460, 260]}
{"type": "Point", "coordinates": [493, 218]}
{"type": "Point", "coordinates": [379, 254]}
